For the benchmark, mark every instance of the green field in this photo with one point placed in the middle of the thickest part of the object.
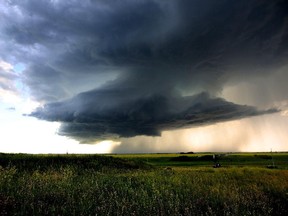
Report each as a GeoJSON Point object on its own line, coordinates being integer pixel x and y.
{"type": "Point", "coordinates": [144, 184]}
{"type": "Point", "coordinates": [206, 159]}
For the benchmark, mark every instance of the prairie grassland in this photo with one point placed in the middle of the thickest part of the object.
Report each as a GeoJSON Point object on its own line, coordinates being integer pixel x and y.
{"type": "Point", "coordinates": [102, 185]}
{"type": "Point", "coordinates": [206, 159]}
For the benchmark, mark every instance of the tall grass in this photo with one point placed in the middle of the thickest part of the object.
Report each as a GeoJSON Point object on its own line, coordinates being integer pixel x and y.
{"type": "Point", "coordinates": [126, 188]}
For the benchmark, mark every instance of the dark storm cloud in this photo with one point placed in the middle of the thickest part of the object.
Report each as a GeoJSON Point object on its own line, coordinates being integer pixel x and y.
{"type": "Point", "coordinates": [127, 65]}
{"type": "Point", "coordinates": [52, 79]}
{"type": "Point", "coordinates": [112, 114]}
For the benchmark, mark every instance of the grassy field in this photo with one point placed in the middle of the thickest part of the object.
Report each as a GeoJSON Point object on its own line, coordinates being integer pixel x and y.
{"type": "Point", "coordinates": [206, 159]}
{"type": "Point", "coordinates": [144, 184]}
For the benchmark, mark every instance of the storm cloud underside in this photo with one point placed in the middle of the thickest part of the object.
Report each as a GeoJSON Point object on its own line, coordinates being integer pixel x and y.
{"type": "Point", "coordinates": [125, 68]}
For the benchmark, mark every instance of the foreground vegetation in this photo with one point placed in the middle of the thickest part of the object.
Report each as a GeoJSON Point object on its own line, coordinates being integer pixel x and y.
{"type": "Point", "coordinates": [106, 185]}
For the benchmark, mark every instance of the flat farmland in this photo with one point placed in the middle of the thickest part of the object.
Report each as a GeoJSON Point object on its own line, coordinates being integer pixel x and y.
{"type": "Point", "coordinates": [279, 160]}
{"type": "Point", "coordinates": [144, 184]}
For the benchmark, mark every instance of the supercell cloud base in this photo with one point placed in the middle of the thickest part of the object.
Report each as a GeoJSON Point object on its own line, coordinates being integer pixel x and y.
{"type": "Point", "coordinates": [138, 72]}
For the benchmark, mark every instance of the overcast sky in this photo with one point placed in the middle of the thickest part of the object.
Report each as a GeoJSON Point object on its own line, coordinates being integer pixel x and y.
{"type": "Point", "coordinates": [143, 75]}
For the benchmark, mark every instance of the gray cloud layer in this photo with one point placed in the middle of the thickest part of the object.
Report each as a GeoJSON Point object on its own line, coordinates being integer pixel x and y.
{"type": "Point", "coordinates": [112, 114]}
{"type": "Point", "coordinates": [127, 65]}
{"type": "Point", "coordinates": [7, 80]}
